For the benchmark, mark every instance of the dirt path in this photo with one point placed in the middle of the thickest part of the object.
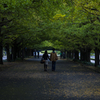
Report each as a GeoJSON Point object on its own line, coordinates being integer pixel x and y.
{"type": "Point", "coordinates": [28, 81]}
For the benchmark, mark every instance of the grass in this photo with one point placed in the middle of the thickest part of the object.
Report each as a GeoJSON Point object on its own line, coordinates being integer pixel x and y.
{"type": "Point", "coordinates": [84, 62]}
{"type": "Point", "coordinates": [49, 51]}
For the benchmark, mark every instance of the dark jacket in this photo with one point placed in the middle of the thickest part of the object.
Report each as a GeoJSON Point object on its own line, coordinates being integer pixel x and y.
{"type": "Point", "coordinates": [45, 56]}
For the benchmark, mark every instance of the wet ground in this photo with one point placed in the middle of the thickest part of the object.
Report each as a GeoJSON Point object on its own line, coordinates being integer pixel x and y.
{"type": "Point", "coordinates": [28, 81]}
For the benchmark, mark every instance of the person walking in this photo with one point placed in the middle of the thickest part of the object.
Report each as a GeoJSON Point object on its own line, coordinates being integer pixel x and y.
{"type": "Point", "coordinates": [60, 55]}
{"type": "Point", "coordinates": [45, 57]}
{"type": "Point", "coordinates": [53, 58]}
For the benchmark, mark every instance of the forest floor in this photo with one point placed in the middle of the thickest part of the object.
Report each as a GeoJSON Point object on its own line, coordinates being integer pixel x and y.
{"type": "Point", "coordinates": [27, 81]}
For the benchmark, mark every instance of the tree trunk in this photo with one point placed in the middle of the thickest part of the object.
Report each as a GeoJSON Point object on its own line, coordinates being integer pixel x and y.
{"type": "Point", "coordinates": [19, 53]}
{"type": "Point", "coordinates": [1, 53]}
{"type": "Point", "coordinates": [35, 54]}
{"type": "Point", "coordinates": [13, 53]}
{"type": "Point", "coordinates": [69, 54]}
{"type": "Point", "coordinates": [96, 57]}
{"type": "Point", "coordinates": [1, 48]}
{"type": "Point", "coordinates": [88, 55]}
{"type": "Point", "coordinates": [73, 54]}
{"type": "Point", "coordinates": [22, 54]}
{"type": "Point", "coordinates": [26, 55]}
{"type": "Point", "coordinates": [8, 53]}
{"type": "Point", "coordinates": [28, 52]}
{"type": "Point", "coordinates": [65, 53]}
{"type": "Point", "coordinates": [76, 55]}
{"type": "Point", "coordinates": [61, 54]}
{"type": "Point", "coordinates": [85, 55]}
{"type": "Point", "coordinates": [82, 54]}
{"type": "Point", "coordinates": [32, 52]}
{"type": "Point", "coordinates": [38, 54]}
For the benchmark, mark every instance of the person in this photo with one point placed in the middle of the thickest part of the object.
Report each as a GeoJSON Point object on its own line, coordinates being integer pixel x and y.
{"type": "Point", "coordinates": [60, 55]}
{"type": "Point", "coordinates": [63, 55]}
{"type": "Point", "coordinates": [53, 58]}
{"type": "Point", "coordinates": [45, 57]}
{"type": "Point", "coordinates": [38, 54]}
{"type": "Point", "coordinates": [35, 53]}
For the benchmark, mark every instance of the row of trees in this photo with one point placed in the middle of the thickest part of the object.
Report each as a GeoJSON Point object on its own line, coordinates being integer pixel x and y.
{"type": "Point", "coordinates": [63, 24]}
{"type": "Point", "coordinates": [80, 29]}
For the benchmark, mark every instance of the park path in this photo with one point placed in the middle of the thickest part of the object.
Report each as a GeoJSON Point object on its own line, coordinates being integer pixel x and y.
{"type": "Point", "coordinates": [27, 81]}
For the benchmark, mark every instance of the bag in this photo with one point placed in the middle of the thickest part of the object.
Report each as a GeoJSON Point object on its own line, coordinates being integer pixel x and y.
{"type": "Point", "coordinates": [42, 61]}
{"type": "Point", "coordinates": [46, 62]}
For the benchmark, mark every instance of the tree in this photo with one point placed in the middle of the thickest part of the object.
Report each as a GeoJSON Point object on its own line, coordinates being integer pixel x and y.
{"type": "Point", "coordinates": [9, 12]}
{"type": "Point", "coordinates": [62, 24]}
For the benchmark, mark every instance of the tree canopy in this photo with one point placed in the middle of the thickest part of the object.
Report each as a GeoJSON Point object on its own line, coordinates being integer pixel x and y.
{"type": "Point", "coordinates": [62, 24]}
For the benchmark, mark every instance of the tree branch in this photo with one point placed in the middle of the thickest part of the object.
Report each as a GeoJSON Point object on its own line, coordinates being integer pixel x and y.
{"type": "Point", "coordinates": [5, 22]}
{"type": "Point", "coordinates": [92, 10]}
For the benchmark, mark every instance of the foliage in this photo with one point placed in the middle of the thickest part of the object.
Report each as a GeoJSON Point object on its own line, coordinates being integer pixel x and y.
{"type": "Point", "coordinates": [44, 23]}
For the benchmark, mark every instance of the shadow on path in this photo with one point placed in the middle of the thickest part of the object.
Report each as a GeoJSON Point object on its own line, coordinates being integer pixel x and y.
{"type": "Point", "coordinates": [28, 81]}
